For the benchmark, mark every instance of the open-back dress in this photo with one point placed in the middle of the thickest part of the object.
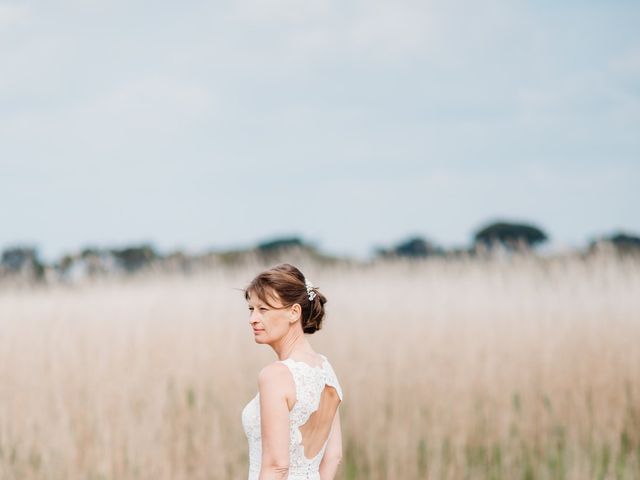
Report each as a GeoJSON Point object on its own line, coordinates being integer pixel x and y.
{"type": "Point", "coordinates": [314, 385]}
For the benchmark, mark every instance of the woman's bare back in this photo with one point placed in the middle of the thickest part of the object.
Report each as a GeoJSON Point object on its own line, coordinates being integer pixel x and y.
{"type": "Point", "coordinates": [313, 419]}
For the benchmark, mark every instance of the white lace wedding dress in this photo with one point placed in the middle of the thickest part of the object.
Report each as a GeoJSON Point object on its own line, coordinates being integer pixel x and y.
{"type": "Point", "coordinates": [310, 382]}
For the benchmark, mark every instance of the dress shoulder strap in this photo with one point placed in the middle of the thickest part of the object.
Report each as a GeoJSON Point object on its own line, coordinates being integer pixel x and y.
{"type": "Point", "coordinates": [300, 370]}
{"type": "Point", "coordinates": [330, 377]}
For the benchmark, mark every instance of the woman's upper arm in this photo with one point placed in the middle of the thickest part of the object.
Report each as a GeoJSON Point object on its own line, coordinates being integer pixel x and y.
{"type": "Point", "coordinates": [334, 443]}
{"type": "Point", "coordinates": [273, 383]}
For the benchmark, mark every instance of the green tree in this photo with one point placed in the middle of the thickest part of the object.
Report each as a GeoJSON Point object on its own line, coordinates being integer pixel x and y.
{"type": "Point", "coordinates": [412, 247]}
{"type": "Point", "coordinates": [135, 257]}
{"type": "Point", "coordinates": [509, 235]}
{"type": "Point", "coordinates": [22, 259]}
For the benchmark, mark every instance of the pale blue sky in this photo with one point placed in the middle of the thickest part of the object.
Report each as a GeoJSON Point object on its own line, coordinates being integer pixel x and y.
{"type": "Point", "coordinates": [350, 123]}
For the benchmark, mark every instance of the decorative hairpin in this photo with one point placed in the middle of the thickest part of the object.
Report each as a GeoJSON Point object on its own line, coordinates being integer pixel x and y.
{"type": "Point", "coordinates": [310, 291]}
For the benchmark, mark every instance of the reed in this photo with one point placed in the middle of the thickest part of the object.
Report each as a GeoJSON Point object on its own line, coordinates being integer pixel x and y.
{"type": "Point", "coordinates": [525, 368]}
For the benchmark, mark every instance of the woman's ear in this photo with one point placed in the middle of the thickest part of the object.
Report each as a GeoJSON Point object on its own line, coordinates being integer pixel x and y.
{"type": "Point", "coordinates": [295, 312]}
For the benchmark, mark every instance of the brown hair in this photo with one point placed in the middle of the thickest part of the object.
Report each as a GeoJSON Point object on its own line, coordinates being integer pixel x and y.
{"type": "Point", "coordinates": [288, 283]}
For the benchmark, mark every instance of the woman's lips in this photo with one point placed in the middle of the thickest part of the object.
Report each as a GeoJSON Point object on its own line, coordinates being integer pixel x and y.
{"type": "Point", "coordinates": [256, 331]}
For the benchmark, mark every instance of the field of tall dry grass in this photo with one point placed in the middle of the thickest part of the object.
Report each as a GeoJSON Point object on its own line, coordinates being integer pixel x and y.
{"type": "Point", "coordinates": [512, 369]}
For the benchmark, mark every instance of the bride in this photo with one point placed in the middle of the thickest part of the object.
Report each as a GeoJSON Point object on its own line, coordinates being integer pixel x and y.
{"type": "Point", "coordinates": [293, 423]}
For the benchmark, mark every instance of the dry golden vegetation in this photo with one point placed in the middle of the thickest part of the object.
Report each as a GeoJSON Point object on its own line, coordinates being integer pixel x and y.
{"type": "Point", "coordinates": [520, 369]}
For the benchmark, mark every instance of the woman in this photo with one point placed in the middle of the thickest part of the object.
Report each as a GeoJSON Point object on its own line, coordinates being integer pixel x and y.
{"type": "Point", "coordinates": [293, 423]}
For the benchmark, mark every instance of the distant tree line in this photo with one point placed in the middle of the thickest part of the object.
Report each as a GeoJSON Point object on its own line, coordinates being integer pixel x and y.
{"type": "Point", "coordinates": [23, 262]}
{"type": "Point", "coordinates": [504, 236]}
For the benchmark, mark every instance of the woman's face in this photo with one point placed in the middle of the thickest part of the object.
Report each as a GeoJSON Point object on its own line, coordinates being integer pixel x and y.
{"type": "Point", "coordinates": [268, 323]}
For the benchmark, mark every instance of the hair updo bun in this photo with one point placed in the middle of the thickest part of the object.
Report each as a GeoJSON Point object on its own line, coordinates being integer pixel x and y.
{"type": "Point", "coordinates": [288, 283]}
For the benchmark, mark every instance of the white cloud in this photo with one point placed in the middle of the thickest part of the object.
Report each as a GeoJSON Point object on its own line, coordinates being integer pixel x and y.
{"type": "Point", "coordinates": [153, 96]}
{"type": "Point", "coordinates": [13, 14]}
{"type": "Point", "coordinates": [393, 28]}
{"type": "Point", "coordinates": [377, 29]}
{"type": "Point", "coordinates": [281, 12]}
{"type": "Point", "coordinates": [627, 63]}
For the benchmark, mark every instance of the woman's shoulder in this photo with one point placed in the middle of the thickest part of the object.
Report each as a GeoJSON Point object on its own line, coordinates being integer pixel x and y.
{"type": "Point", "coordinates": [275, 371]}
{"type": "Point", "coordinates": [274, 379]}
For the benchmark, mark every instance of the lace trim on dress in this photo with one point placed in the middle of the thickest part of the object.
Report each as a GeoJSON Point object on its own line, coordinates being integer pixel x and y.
{"type": "Point", "coordinates": [310, 382]}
